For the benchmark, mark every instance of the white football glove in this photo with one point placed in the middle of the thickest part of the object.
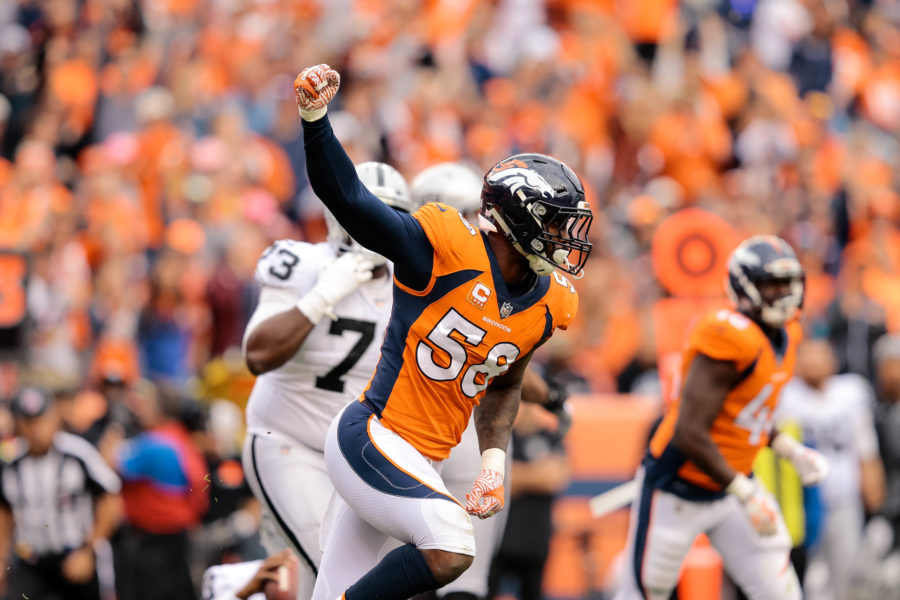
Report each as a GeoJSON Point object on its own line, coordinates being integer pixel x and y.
{"type": "Point", "coordinates": [314, 88]}
{"type": "Point", "coordinates": [760, 508]}
{"type": "Point", "coordinates": [486, 498]}
{"type": "Point", "coordinates": [810, 464]}
{"type": "Point", "coordinates": [336, 280]}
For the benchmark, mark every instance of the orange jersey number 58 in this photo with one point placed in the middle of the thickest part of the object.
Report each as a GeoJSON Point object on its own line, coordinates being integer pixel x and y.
{"type": "Point", "coordinates": [476, 377]}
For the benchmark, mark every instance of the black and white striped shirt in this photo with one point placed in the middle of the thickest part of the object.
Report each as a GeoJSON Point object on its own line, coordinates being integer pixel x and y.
{"type": "Point", "coordinates": [52, 496]}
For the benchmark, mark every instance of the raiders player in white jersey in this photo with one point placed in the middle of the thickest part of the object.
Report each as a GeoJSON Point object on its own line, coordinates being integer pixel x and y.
{"type": "Point", "coordinates": [835, 412]}
{"type": "Point", "coordinates": [314, 341]}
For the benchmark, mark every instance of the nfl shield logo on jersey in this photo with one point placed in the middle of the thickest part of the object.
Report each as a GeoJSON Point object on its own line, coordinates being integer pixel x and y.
{"type": "Point", "coordinates": [506, 310]}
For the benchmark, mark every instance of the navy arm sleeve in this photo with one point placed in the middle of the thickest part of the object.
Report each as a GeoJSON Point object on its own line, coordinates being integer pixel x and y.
{"type": "Point", "coordinates": [393, 234]}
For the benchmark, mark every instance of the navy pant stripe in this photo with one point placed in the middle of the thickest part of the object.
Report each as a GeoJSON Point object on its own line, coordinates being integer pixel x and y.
{"type": "Point", "coordinates": [371, 465]}
{"type": "Point", "coordinates": [641, 529]}
{"type": "Point", "coordinates": [281, 522]}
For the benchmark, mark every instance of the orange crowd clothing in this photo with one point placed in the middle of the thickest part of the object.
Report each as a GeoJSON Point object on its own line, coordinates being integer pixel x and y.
{"type": "Point", "coordinates": [648, 20]}
{"type": "Point", "coordinates": [445, 343]}
{"type": "Point", "coordinates": [25, 214]}
{"type": "Point", "coordinates": [74, 84]}
{"type": "Point", "coordinates": [744, 422]}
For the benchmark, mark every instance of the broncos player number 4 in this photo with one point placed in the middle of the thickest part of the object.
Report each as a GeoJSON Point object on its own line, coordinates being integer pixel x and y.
{"type": "Point", "coordinates": [332, 381]}
{"type": "Point", "coordinates": [756, 416]}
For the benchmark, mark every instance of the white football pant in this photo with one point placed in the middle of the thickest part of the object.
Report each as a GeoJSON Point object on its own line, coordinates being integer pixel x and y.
{"type": "Point", "coordinates": [290, 482]}
{"type": "Point", "coordinates": [386, 489]}
{"type": "Point", "coordinates": [663, 528]}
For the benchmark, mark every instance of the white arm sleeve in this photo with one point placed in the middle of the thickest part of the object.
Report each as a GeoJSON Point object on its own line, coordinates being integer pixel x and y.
{"type": "Point", "coordinates": [272, 301]}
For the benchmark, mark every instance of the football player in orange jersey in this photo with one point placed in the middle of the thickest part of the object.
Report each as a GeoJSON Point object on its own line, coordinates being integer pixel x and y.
{"type": "Point", "coordinates": [696, 476]}
{"type": "Point", "coordinates": [459, 186]}
{"type": "Point", "coordinates": [469, 309]}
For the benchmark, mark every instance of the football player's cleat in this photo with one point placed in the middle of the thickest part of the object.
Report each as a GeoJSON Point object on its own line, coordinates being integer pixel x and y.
{"type": "Point", "coordinates": [765, 258]}
{"type": "Point", "coordinates": [388, 185]}
{"type": "Point", "coordinates": [538, 203]}
{"type": "Point", "coordinates": [450, 183]}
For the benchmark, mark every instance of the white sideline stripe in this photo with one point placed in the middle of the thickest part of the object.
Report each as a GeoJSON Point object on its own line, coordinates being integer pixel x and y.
{"type": "Point", "coordinates": [620, 496]}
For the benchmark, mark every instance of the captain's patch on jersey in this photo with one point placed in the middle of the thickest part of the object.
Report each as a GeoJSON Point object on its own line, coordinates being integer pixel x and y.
{"type": "Point", "coordinates": [479, 294]}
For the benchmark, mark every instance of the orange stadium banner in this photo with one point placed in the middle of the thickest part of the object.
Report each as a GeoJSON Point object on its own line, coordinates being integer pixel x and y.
{"type": "Point", "coordinates": [690, 250]}
{"type": "Point", "coordinates": [690, 253]}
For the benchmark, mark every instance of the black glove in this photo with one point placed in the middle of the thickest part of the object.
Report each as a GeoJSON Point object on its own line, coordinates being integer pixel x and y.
{"type": "Point", "coordinates": [556, 404]}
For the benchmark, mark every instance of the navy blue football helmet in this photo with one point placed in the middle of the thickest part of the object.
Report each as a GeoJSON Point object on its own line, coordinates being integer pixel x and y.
{"type": "Point", "coordinates": [765, 258]}
{"type": "Point", "coordinates": [538, 203]}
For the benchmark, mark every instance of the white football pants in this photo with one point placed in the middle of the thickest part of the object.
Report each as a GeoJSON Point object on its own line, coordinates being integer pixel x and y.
{"type": "Point", "coordinates": [290, 482]}
{"type": "Point", "coordinates": [386, 489]}
{"type": "Point", "coordinates": [459, 472]}
{"type": "Point", "coordinates": [663, 528]}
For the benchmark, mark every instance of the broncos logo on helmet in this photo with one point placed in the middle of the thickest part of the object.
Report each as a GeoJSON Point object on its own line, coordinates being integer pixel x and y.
{"type": "Point", "coordinates": [538, 203]}
{"type": "Point", "coordinates": [759, 259]}
{"type": "Point", "coordinates": [516, 178]}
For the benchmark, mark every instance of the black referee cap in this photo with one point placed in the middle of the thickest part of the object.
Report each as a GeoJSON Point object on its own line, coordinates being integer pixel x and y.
{"type": "Point", "coordinates": [31, 402]}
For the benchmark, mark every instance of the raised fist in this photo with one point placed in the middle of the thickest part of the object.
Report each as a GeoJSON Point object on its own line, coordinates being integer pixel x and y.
{"type": "Point", "coordinates": [314, 88]}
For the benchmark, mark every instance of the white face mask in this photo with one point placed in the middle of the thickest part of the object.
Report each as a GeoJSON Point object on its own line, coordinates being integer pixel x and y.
{"type": "Point", "coordinates": [782, 310]}
{"type": "Point", "coordinates": [778, 313]}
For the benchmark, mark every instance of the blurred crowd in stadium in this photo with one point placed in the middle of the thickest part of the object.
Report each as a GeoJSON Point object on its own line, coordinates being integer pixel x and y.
{"type": "Point", "coordinates": [150, 150]}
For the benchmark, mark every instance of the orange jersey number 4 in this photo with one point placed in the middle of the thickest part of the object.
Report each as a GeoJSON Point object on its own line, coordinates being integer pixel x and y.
{"type": "Point", "coordinates": [756, 417]}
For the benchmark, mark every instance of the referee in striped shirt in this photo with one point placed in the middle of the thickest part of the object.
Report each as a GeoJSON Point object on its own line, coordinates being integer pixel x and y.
{"type": "Point", "coordinates": [58, 499]}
